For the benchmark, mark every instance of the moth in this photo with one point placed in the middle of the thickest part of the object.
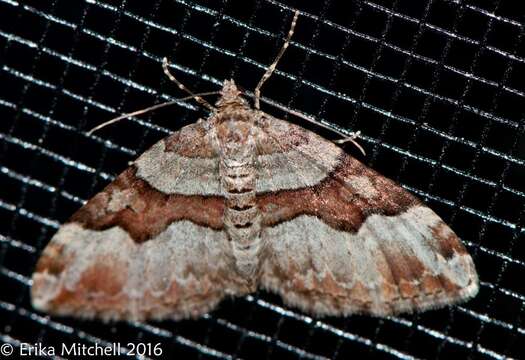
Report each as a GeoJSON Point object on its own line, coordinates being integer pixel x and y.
{"type": "Point", "coordinates": [241, 201]}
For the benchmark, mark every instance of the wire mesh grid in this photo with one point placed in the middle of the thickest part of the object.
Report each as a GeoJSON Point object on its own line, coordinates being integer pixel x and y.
{"type": "Point", "coordinates": [436, 88]}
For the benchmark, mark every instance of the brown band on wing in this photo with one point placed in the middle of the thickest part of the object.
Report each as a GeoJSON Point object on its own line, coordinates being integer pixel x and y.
{"type": "Point", "coordinates": [335, 202]}
{"type": "Point", "coordinates": [448, 242]}
{"type": "Point", "coordinates": [101, 291]}
{"type": "Point", "coordinates": [144, 212]}
{"type": "Point", "coordinates": [52, 260]}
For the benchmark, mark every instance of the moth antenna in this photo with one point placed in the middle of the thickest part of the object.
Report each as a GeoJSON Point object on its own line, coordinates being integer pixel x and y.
{"type": "Point", "coordinates": [148, 109]}
{"type": "Point", "coordinates": [272, 67]}
{"type": "Point", "coordinates": [165, 67]}
{"type": "Point", "coordinates": [351, 138]}
{"type": "Point", "coordinates": [346, 137]}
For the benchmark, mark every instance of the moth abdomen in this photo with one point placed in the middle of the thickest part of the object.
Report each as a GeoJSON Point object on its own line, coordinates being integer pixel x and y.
{"type": "Point", "coordinates": [238, 177]}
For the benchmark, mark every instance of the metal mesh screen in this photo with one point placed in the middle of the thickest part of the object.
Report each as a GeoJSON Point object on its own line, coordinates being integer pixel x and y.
{"type": "Point", "coordinates": [436, 87]}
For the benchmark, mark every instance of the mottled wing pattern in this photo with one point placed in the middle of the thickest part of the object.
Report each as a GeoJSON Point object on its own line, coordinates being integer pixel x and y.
{"type": "Point", "coordinates": [150, 245]}
{"type": "Point", "coordinates": [343, 239]}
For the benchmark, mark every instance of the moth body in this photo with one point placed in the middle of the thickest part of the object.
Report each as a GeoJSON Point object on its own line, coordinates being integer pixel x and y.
{"type": "Point", "coordinates": [242, 201]}
{"type": "Point", "coordinates": [234, 137]}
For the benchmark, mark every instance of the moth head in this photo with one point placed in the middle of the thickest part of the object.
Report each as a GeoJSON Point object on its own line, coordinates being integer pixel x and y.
{"type": "Point", "coordinates": [230, 95]}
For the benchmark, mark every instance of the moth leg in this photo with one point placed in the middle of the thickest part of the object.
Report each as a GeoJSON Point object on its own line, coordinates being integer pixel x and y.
{"type": "Point", "coordinates": [200, 100]}
{"type": "Point", "coordinates": [272, 67]}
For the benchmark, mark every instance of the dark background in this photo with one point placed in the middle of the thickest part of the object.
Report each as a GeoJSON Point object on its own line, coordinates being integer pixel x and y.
{"type": "Point", "coordinates": [437, 89]}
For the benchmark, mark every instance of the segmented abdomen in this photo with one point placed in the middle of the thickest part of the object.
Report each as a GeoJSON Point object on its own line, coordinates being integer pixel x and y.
{"type": "Point", "coordinates": [241, 216]}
